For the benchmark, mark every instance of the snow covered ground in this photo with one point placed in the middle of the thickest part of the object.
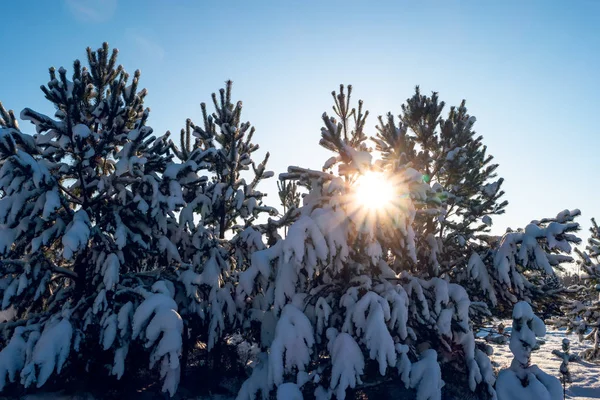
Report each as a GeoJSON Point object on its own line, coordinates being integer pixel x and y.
{"type": "Point", "coordinates": [585, 375]}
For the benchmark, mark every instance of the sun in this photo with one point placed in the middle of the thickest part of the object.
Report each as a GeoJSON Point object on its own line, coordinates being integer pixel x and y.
{"type": "Point", "coordinates": [374, 191]}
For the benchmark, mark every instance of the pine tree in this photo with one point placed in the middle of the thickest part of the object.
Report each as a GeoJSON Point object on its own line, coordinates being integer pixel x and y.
{"type": "Point", "coordinates": [582, 315]}
{"type": "Point", "coordinates": [566, 357]}
{"type": "Point", "coordinates": [456, 245]}
{"type": "Point", "coordinates": [218, 225]}
{"type": "Point", "coordinates": [454, 159]}
{"type": "Point", "coordinates": [525, 262]}
{"type": "Point", "coordinates": [290, 201]}
{"type": "Point", "coordinates": [85, 228]}
{"type": "Point", "coordinates": [340, 307]}
{"type": "Point", "coordinates": [523, 380]}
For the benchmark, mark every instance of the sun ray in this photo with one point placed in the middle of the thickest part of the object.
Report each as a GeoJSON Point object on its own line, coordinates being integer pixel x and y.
{"type": "Point", "coordinates": [374, 191]}
{"type": "Point", "coordinates": [378, 200]}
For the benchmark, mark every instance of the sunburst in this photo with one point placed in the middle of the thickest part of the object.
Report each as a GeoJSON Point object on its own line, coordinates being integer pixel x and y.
{"type": "Point", "coordinates": [375, 191]}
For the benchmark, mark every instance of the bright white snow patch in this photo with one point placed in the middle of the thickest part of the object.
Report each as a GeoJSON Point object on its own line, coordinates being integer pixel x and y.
{"type": "Point", "coordinates": [523, 380]}
{"type": "Point", "coordinates": [293, 343]}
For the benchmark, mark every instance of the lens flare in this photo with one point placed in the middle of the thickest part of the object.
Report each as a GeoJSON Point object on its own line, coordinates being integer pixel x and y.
{"type": "Point", "coordinates": [374, 191]}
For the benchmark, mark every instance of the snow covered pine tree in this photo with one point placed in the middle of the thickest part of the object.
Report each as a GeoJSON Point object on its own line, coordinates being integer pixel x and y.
{"type": "Point", "coordinates": [566, 358]}
{"type": "Point", "coordinates": [86, 221]}
{"type": "Point", "coordinates": [455, 244]}
{"type": "Point", "coordinates": [523, 380]}
{"type": "Point", "coordinates": [582, 315]}
{"type": "Point", "coordinates": [341, 297]}
{"type": "Point", "coordinates": [106, 239]}
{"type": "Point", "coordinates": [218, 228]}
{"type": "Point", "coordinates": [85, 216]}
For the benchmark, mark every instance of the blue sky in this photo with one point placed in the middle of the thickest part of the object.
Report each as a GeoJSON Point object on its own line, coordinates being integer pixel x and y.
{"type": "Point", "coordinates": [528, 69]}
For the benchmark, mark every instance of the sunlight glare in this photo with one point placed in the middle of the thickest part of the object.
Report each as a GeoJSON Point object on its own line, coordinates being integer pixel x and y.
{"type": "Point", "coordinates": [374, 191]}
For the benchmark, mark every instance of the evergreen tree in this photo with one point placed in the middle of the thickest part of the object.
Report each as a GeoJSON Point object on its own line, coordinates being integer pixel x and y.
{"type": "Point", "coordinates": [218, 227]}
{"type": "Point", "coordinates": [108, 240]}
{"type": "Point", "coordinates": [582, 315]}
{"type": "Point", "coordinates": [566, 358]}
{"type": "Point", "coordinates": [85, 228]}
{"type": "Point", "coordinates": [456, 243]}
{"type": "Point", "coordinates": [340, 306]}
{"type": "Point", "coordinates": [523, 380]}
{"type": "Point", "coordinates": [453, 158]}
{"type": "Point", "coordinates": [290, 200]}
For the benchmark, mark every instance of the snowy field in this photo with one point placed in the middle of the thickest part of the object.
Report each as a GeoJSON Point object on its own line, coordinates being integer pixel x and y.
{"type": "Point", "coordinates": [585, 375]}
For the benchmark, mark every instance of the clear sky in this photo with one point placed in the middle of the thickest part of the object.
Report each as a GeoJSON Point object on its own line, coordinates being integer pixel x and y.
{"type": "Point", "coordinates": [528, 69]}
